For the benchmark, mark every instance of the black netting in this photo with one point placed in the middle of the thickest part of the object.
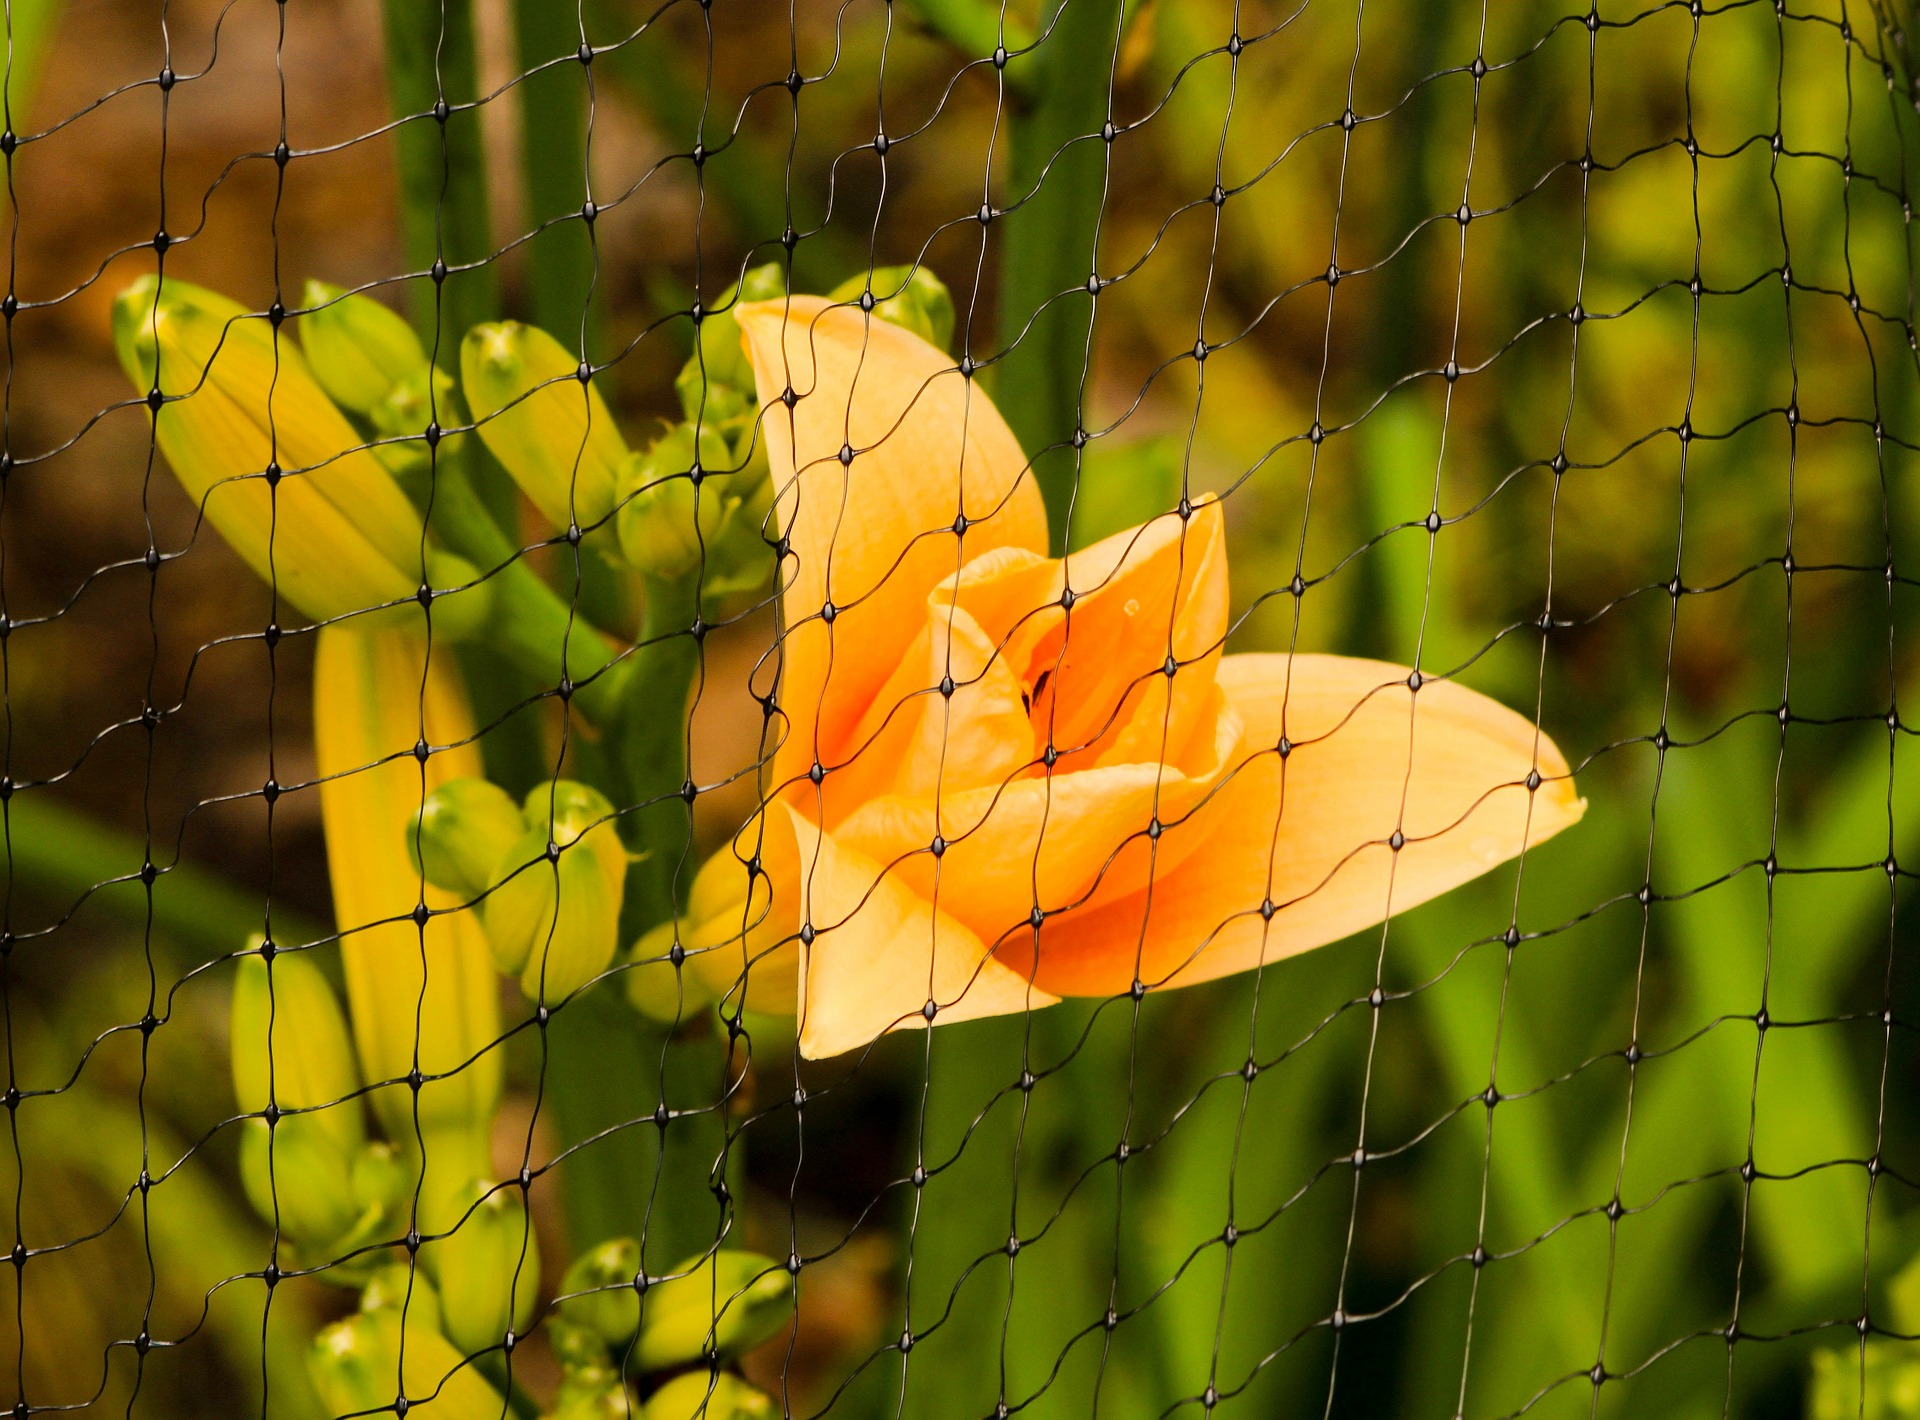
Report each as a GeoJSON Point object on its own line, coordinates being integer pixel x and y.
{"type": "Point", "coordinates": [536, 664]}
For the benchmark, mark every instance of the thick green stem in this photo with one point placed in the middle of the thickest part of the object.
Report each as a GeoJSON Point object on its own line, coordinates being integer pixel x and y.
{"type": "Point", "coordinates": [443, 171]}
{"type": "Point", "coordinates": [553, 154]}
{"type": "Point", "coordinates": [653, 749]}
{"type": "Point", "coordinates": [606, 1066]}
{"type": "Point", "coordinates": [1055, 187]}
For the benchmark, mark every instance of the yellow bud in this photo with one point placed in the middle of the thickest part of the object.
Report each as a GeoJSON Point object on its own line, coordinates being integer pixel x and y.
{"type": "Point", "coordinates": [290, 1046]}
{"type": "Point", "coordinates": [331, 528]}
{"type": "Point", "coordinates": [429, 991]}
{"type": "Point", "coordinates": [398, 1287]}
{"type": "Point", "coordinates": [597, 1293]}
{"type": "Point", "coordinates": [596, 1394]}
{"type": "Point", "coordinates": [359, 350]}
{"type": "Point", "coordinates": [462, 832]}
{"type": "Point", "coordinates": [726, 1302]}
{"type": "Point", "coordinates": [704, 1395]}
{"type": "Point", "coordinates": [911, 297]}
{"type": "Point", "coordinates": [356, 1367]}
{"type": "Point", "coordinates": [740, 938]}
{"type": "Point", "coordinates": [658, 989]}
{"type": "Point", "coordinates": [296, 1174]}
{"type": "Point", "coordinates": [557, 922]}
{"type": "Point", "coordinates": [549, 428]}
{"type": "Point", "coordinates": [381, 1180]}
{"type": "Point", "coordinates": [487, 1267]}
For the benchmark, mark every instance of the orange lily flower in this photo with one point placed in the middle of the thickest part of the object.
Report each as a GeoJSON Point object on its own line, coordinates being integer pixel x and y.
{"type": "Point", "coordinates": [1006, 778]}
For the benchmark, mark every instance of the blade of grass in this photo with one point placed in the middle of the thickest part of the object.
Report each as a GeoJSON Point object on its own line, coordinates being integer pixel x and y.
{"type": "Point", "coordinates": [67, 856]}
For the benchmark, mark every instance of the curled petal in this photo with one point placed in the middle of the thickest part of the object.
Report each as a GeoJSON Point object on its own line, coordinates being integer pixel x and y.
{"type": "Point", "coordinates": [885, 446]}
{"type": "Point", "coordinates": [1446, 770]}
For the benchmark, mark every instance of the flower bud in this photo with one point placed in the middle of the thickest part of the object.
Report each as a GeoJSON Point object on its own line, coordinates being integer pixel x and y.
{"type": "Point", "coordinates": [290, 1046]}
{"type": "Point", "coordinates": [659, 990]}
{"type": "Point", "coordinates": [258, 446]}
{"type": "Point", "coordinates": [708, 1395]}
{"type": "Point", "coordinates": [358, 348]}
{"type": "Point", "coordinates": [668, 522]}
{"type": "Point", "coordinates": [549, 428]}
{"type": "Point", "coordinates": [716, 384]}
{"type": "Point", "coordinates": [403, 414]}
{"type": "Point", "coordinates": [559, 940]}
{"type": "Point", "coordinates": [596, 1394]}
{"type": "Point", "coordinates": [356, 1367]}
{"type": "Point", "coordinates": [398, 1287]}
{"type": "Point", "coordinates": [298, 1178]}
{"type": "Point", "coordinates": [422, 996]}
{"type": "Point", "coordinates": [462, 833]}
{"type": "Point", "coordinates": [726, 1302]}
{"type": "Point", "coordinates": [486, 1268]}
{"type": "Point", "coordinates": [597, 1292]}
{"type": "Point", "coordinates": [911, 297]}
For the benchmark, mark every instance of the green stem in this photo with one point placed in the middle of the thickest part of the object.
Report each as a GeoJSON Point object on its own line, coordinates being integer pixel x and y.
{"type": "Point", "coordinates": [66, 855]}
{"type": "Point", "coordinates": [553, 149]}
{"type": "Point", "coordinates": [1056, 186]}
{"type": "Point", "coordinates": [530, 621]}
{"type": "Point", "coordinates": [605, 1063]}
{"type": "Point", "coordinates": [443, 171]}
{"type": "Point", "coordinates": [653, 748]}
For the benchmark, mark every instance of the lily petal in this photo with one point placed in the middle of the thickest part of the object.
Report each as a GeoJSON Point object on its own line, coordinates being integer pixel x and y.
{"type": "Point", "coordinates": [1447, 768]}
{"type": "Point", "coordinates": [871, 536]}
{"type": "Point", "coordinates": [881, 952]}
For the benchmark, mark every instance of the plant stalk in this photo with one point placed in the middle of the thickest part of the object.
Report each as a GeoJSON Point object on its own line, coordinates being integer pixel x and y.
{"type": "Point", "coordinates": [1056, 186]}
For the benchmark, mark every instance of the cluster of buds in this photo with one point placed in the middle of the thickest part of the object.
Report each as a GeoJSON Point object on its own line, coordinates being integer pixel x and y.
{"type": "Point", "coordinates": [549, 875]}
{"type": "Point", "coordinates": [337, 1197]}
{"type": "Point", "coordinates": [301, 486]}
{"type": "Point", "coordinates": [703, 1315]}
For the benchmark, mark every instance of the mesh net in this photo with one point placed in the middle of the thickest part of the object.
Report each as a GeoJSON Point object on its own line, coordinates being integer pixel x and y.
{"type": "Point", "coordinates": [1565, 356]}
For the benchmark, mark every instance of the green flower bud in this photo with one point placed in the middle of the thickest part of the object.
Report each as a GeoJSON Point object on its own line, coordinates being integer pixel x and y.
{"type": "Point", "coordinates": [704, 1395]}
{"type": "Point", "coordinates": [486, 1269]}
{"type": "Point", "coordinates": [462, 833]}
{"type": "Point", "coordinates": [595, 1394]}
{"type": "Point", "coordinates": [598, 1291]}
{"type": "Point", "coordinates": [290, 1046]}
{"type": "Point", "coordinates": [657, 519]}
{"type": "Point", "coordinates": [727, 1301]}
{"type": "Point", "coordinates": [576, 1348]}
{"type": "Point", "coordinates": [358, 349]}
{"type": "Point", "coordinates": [659, 990]}
{"type": "Point", "coordinates": [557, 923]}
{"type": "Point", "coordinates": [297, 1176]}
{"type": "Point", "coordinates": [405, 412]}
{"type": "Point", "coordinates": [911, 297]}
{"type": "Point", "coordinates": [398, 1287]}
{"type": "Point", "coordinates": [716, 384]}
{"type": "Point", "coordinates": [380, 1180]}
{"type": "Point", "coordinates": [356, 1367]}
{"type": "Point", "coordinates": [550, 429]}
